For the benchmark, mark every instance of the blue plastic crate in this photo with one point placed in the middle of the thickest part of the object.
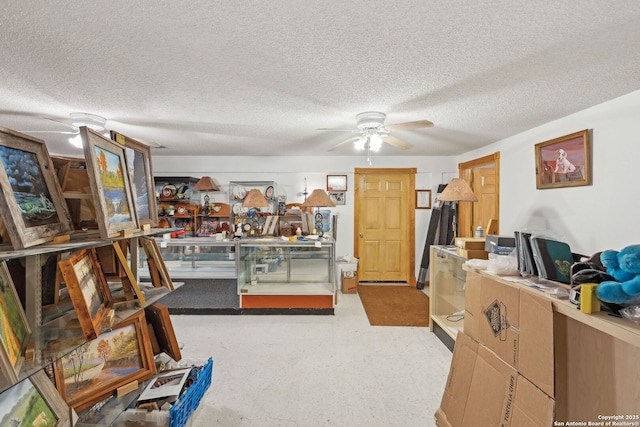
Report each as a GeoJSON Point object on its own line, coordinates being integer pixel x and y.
{"type": "Point", "coordinates": [189, 400]}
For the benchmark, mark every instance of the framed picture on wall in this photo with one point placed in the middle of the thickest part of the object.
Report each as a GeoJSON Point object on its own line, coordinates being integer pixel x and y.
{"type": "Point", "coordinates": [336, 182]}
{"type": "Point", "coordinates": [423, 199]}
{"type": "Point", "coordinates": [564, 161]}
{"type": "Point", "coordinates": [338, 197]}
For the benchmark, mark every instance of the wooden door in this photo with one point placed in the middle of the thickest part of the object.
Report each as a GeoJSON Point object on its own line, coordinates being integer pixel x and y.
{"type": "Point", "coordinates": [384, 228]}
{"type": "Point", "coordinates": [484, 187]}
{"type": "Point", "coordinates": [483, 176]}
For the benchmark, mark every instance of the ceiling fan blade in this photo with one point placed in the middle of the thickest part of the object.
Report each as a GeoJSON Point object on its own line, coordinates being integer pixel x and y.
{"type": "Point", "coordinates": [410, 125]}
{"type": "Point", "coordinates": [61, 122]}
{"type": "Point", "coordinates": [340, 130]}
{"type": "Point", "coordinates": [50, 131]}
{"type": "Point", "coordinates": [398, 143]}
{"type": "Point", "coordinates": [335, 147]}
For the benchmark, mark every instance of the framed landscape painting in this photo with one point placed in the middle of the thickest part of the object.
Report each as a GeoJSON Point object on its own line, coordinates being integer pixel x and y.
{"type": "Point", "coordinates": [138, 156]}
{"type": "Point", "coordinates": [88, 290]}
{"type": "Point", "coordinates": [31, 202]}
{"type": "Point", "coordinates": [14, 327]}
{"type": "Point", "coordinates": [34, 402]}
{"type": "Point", "coordinates": [96, 369]}
{"type": "Point", "coordinates": [110, 183]}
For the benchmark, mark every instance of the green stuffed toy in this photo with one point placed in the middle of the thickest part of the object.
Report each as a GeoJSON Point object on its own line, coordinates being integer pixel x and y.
{"type": "Point", "coordinates": [624, 266]}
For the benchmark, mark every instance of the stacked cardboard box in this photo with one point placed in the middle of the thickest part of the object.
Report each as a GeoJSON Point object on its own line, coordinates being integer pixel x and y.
{"type": "Point", "coordinates": [471, 247]}
{"type": "Point", "coordinates": [502, 371]}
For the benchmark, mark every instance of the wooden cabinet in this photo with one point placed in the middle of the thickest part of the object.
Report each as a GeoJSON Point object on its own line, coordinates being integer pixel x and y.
{"type": "Point", "coordinates": [178, 203]}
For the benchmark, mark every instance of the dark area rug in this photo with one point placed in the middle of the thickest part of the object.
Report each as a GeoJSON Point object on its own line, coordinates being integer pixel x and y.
{"type": "Point", "coordinates": [394, 305]}
{"type": "Point", "coordinates": [204, 296]}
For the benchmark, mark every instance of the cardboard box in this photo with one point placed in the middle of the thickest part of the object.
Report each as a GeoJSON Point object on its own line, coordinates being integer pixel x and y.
{"type": "Point", "coordinates": [470, 242]}
{"type": "Point", "coordinates": [472, 253]}
{"type": "Point", "coordinates": [514, 323]}
{"type": "Point", "coordinates": [483, 390]}
{"type": "Point", "coordinates": [349, 284]}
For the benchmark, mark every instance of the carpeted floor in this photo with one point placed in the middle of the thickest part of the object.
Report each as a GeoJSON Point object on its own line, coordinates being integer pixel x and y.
{"type": "Point", "coordinates": [204, 296]}
{"type": "Point", "coordinates": [387, 305]}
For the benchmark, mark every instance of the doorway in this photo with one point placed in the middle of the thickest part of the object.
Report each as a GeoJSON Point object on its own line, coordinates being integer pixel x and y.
{"type": "Point", "coordinates": [483, 176]}
{"type": "Point", "coordinates": [384, 224]}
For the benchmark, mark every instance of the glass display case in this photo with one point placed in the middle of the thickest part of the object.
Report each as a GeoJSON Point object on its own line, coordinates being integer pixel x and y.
{"type": "Point", "coordinates": [195, 258]}
{"type": "Point", "coordinates": [276, 267]}
{"type": "Point", "coordinates": [446, 293]}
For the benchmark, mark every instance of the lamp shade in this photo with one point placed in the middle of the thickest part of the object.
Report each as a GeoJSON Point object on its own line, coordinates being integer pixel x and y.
{"type": "Point", "coordinates": [457, 191]}
{"type": "Point", "coordinates": [319, 198]}
{"type": "Point", "coordinates": [206, 184]}
{"type": "Point", "coordinates": [255, 199]}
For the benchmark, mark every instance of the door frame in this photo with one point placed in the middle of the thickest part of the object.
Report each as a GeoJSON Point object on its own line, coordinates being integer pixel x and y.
{"type": "Point", "coordinates": [411, 213]}
{"type": "Point", "coordinates": [465, 171]}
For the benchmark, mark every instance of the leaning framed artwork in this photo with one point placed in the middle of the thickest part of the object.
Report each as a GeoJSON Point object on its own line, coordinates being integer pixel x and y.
{"type": "Point", "coordinates": [110, 183]}
{"type": "Point", "coordinates": [14, 327]}
{"type": "Point", "coordinates": [564, 161]}
{"type": "Point", "coordinates": [34, 401]}
{"type": "Point", "coordinates": [33, 208]}
{"type": "Point", "coordinates": [138, 156]}
{"type": "Point", "coordinates": [93, 371]}
{"type": "Point", "coordinates": [158, 315]}
{"type": "Point", "coordinates": [88, 290]}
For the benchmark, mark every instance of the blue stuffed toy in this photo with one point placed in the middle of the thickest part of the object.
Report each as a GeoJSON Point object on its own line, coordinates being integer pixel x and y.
{"type": "Point", "coordinates": [624, 266]}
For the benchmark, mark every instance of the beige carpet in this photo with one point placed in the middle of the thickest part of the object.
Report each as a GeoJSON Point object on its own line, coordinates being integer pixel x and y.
{"type": "Point", "coordinates": [389, 305]}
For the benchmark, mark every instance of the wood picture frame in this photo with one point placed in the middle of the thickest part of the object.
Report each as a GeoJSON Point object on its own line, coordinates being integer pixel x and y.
{"type": "Point", "coordinates": [423, 199]}
{"type": "Point", "coordinates": [158, 315]}
{"type": "Point", "coordinates": [564, 161]}
{"type": "Point", "coordinates": [88, 290]}
{"type": "Point", "coordinates": [336, 182]}
{"type": "Point", "coordinates": [35, 401]}
{"type": "Point", "coordinates": [138, 156]}
{"type": "Point", "coordinates": [14, 327]}
{"type": "Point", "coordinates": [94, 371]}
{"type": "Point", "coordinates": [110, 184]}
{"type": "Point", "coordinates": [33, 208]}
{"type": "Point", "coordinates": [338, 197]}
{"type": "Point", "coordinates": [158, 272]}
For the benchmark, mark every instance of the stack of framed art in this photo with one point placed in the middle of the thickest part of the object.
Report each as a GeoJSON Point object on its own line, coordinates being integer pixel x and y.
{"type": "Point", "coordinates": [52, 366]}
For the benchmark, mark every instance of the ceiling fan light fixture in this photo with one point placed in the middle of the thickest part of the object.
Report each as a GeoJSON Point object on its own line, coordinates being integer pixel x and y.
{"type": "Point", "coordinates": [76, 141]}
{"type": "Point", "coordinates": [361, 143]}
{"type": "Point", "coordinates": [375, 142]}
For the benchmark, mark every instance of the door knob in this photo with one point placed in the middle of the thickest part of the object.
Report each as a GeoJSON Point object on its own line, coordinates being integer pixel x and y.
{"type": "Point", "coordinates": [361, 235]}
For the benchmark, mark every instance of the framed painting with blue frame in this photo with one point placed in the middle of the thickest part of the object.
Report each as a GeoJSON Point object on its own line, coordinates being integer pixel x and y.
{"type": "Point", "coordinates": [33, 208]}
{"type": "Point", "coordinates": [110, 184]}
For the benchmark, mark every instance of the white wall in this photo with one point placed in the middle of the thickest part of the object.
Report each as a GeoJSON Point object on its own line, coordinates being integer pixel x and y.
{"type": "Point", "coordinates": [590, 218]}
{"type": "Point", "coordinates": [289, 173]}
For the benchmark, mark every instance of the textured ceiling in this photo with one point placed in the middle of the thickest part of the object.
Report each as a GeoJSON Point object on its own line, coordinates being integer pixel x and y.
{"type": "Point", "coordinates": [205, 77]}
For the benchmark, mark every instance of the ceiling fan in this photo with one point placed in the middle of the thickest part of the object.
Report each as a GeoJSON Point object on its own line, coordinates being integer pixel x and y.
{"type": "Point", "coordinates": [77, 120]}
{"type": "Point", "coordinates": [373, 132]}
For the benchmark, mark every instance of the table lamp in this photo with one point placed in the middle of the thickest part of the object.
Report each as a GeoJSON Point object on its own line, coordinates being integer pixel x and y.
{"type": "Point", "coordinates": [457, 191]}
{"type": "Point", "coordinates": [206, 184]}
{"type": "Point", "coordinates": [318, 199]}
